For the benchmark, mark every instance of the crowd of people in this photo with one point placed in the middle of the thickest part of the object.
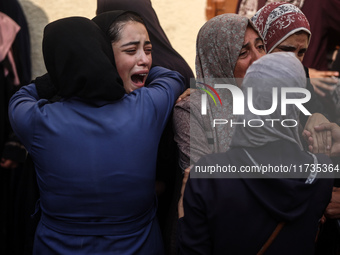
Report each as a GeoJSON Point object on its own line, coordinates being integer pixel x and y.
{"type": "Point", "coordinates": [117, 138]}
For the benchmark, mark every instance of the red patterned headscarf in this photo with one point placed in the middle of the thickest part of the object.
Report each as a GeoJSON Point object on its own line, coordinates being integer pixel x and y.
{"type": "Point", "coordinates": [277, 21]}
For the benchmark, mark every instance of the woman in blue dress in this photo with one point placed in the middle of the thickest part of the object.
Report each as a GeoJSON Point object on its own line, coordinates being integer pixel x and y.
{"type": "Point", "coordinates": [95, 149]}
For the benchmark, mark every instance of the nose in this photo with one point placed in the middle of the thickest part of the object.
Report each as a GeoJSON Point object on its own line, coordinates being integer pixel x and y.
{"type": "Point", "coordinates": [144, 59]}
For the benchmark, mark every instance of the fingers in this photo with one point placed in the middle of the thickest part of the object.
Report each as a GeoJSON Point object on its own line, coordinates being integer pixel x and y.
{"type": "Point", "coordinates": [325, 126]}
{"type": "Point", "coordinates": [185, 94]}
{"type": "Point", "coordinates": [329, 141]}
{"type": "Point", "coordinates": [8, 164]}
{"type": "Point", "coordinates": [185, 179]}
{"type": "Point", "coordinates": [322, 86]}
{"type": "Point", "coordinates": [180, 202]}
{"type": "Point", "coordinates": [325, 83]}
{"type": "Point", "coordinates": [313, 73]}
{"type": "Point", "coordinates": [321, 142]}
{"type": "Point", "coordinates": [332, 131]}
{"type": "Point", "coordinates": [306, 135]}
{"type": "Point", "coordinates": [333, 211]}
{"type": "Point", "coordinates": [323, 219]}
{"type": "Point", "coordinates": [319, 92]}
{"type": "Point", "coordinates": [328, 73]}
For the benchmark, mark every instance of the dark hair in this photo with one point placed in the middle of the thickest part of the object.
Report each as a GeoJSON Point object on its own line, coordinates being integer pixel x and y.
{"type": "Point", "coordinates": [118, 24]}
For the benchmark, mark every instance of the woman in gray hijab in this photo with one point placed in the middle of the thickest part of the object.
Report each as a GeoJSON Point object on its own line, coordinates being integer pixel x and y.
{"type": "Point", "coordinates": [222, 44]}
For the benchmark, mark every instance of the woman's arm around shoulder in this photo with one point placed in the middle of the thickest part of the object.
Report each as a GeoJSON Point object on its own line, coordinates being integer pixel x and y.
{"type": "Point", "coordinates": [165, 86]}
{"type": "Point", "coordinates": [170, 80]}
{"type": "Point", "coordinates": [21, 110]}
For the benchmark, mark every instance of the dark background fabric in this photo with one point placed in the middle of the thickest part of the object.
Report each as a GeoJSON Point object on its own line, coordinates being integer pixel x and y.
{"type": "Point", "coordinates": [19, 190]}
{"type": "Point", "coordinates": [324, 22]}
{"type": "Point", "coordinates": [236, 216]}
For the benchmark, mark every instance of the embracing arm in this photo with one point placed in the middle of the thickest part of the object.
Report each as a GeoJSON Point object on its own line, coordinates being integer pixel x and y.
{"type": "Point", "coordinates": [22, 108]}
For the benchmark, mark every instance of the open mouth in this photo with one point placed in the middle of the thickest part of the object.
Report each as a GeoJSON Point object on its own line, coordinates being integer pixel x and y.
{"type": "Point", "coordinates": [139, 79]}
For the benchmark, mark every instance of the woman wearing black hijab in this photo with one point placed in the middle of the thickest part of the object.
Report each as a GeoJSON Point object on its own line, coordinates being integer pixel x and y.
{"type": "Point", "coordinates": [95, 149]}
{"type": "Point", "coordinates": [163, 54]}
{"type": "Point", "coordinates": [169, 175]}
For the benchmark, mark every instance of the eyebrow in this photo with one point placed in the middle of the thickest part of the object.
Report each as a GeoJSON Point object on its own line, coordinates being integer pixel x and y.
{"type": "Point", "coordinates": [256, 41]}
{"type": "Point", "coordinates": [135, 43]}
{"type": "Point", "coordinates": [291, 48]}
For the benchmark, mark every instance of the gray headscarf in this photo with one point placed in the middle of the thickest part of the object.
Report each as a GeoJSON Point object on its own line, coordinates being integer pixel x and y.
{"type": "Point", "coordinates": [279, 70]}
{"type": "Point", "coordinates": [218, 46]}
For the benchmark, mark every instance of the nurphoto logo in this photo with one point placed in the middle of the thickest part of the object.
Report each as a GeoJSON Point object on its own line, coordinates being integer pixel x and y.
{"type": "Point", "coordinates": [238, 99]}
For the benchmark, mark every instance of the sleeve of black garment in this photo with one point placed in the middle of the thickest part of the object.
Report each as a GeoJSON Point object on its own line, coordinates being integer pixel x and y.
{"type": "Point", "coordinates": [44, 86]}
{"type": "Point", "coordinates": [193, 228]}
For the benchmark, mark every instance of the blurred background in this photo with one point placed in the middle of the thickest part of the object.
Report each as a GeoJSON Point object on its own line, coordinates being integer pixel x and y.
{"type": "Point", "coordinates": [180, 20]}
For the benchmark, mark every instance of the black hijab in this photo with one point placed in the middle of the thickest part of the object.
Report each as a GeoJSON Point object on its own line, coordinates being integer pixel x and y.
{"type": "Point", "coordinates": [162, 52]}
{"type": "Point", "coordinates": [79, 59]}
{"type": "Point", "coordinates": [105, 21]}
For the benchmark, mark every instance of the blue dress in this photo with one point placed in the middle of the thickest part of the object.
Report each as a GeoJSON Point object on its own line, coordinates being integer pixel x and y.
{"type": "Point", "coordinates": [95, 164]}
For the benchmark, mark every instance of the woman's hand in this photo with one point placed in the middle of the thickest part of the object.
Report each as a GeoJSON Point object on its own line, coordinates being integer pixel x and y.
{"type": "Point", "coordinates": [318, 141]}
{"type": "Point", "coordinates": [185, 94]}
{"type": "Point", "coordinates": [323, 81]}
{"type": "Point", "coordinates": [180, 202]}
{"type": "Point", "coordinates": [335, 134]}
{"type": "Point", "coordinates": [8, 164]}
{"type": "Point", "coordinates": [333, 208]}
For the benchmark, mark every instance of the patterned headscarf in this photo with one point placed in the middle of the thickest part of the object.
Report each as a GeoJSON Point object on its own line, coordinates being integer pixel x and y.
{"type": "Point", "coordinates": [248, 8]}
{"type": "Point", "coordinates": [277, 21]}
{"type": "Point", "coordinates": [280, 70]}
